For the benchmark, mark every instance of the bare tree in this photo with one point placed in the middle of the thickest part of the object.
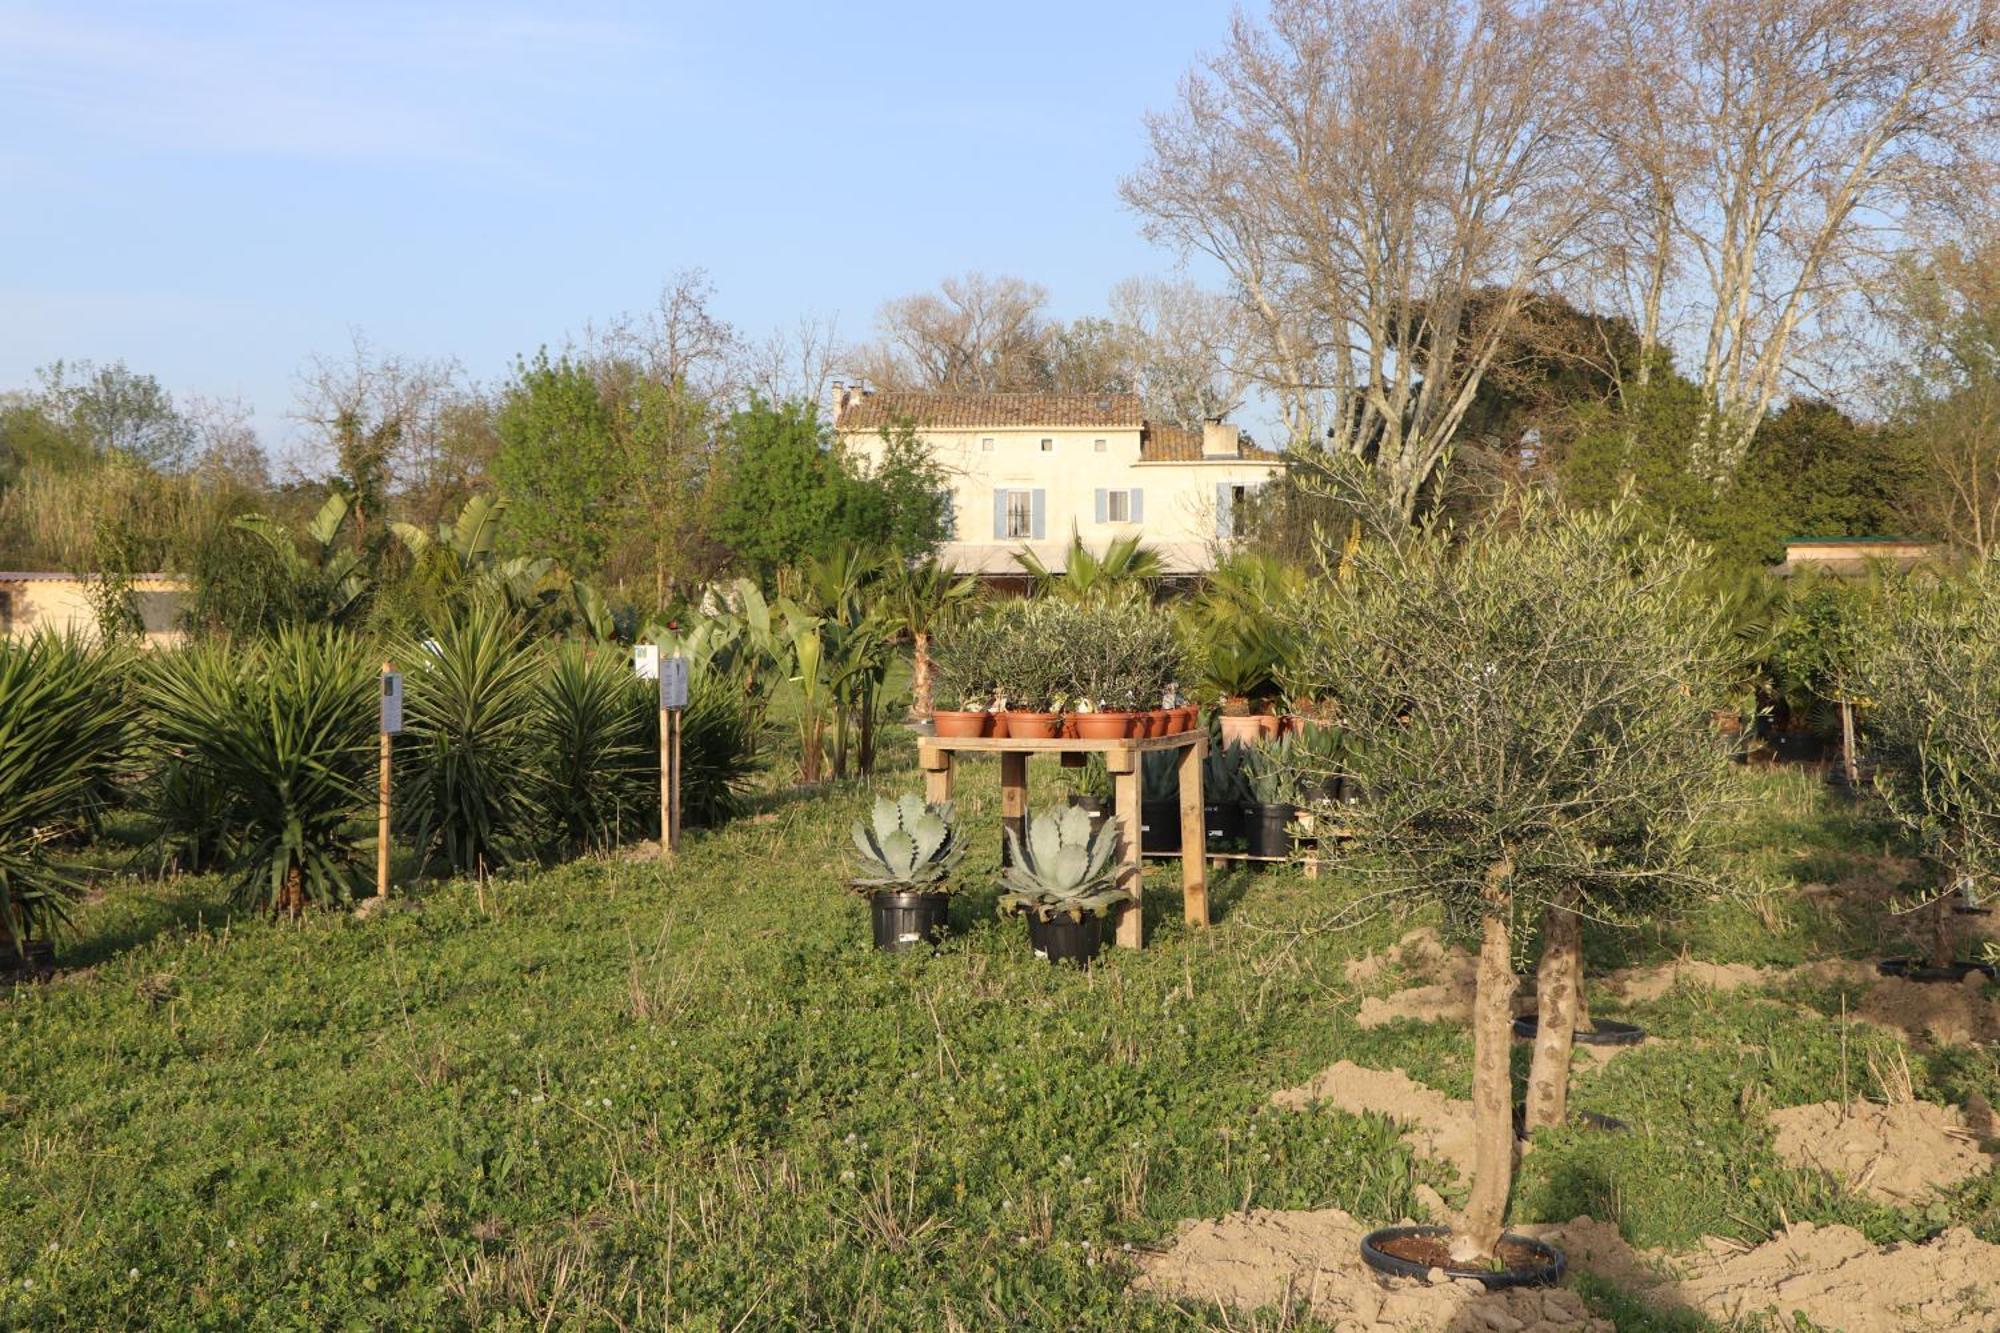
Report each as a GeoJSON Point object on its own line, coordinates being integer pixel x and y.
{"type": "Point", "coordinates": [681, 340]}
{"type": "Point", "coordinates": [380, 419]}
{"type": "Point", "coordinates": [1385, 183]}
{"type": "Point", "coordinates": [977, 333]}
{"type": "Point", "coordinates": [796, 363]}
{"type": "Point", "coordinates": [1185, 341]}
{"type": "Point", "coordinates": [1776, 147]}
{"type": "Point", "coordinates": [226, 451]}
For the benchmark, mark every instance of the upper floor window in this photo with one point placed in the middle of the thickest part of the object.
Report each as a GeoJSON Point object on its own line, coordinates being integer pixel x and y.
{"type": "Point", "coordinates": [1097, 446]}
{"type": "Point", "coordinates": [1048, 446]}
{"type": "Point", "coordinates": [986, 445]}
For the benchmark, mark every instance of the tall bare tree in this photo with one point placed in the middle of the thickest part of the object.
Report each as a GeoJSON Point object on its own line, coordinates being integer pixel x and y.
{"type": "Point", "coordinates": [1185, 341]}
{"type": "Point", "coordinates": [380, 418]}
{"type": "Point", "coordinates": [977, 333]}
{"type": "Point", "coordinates": [1386, 183]}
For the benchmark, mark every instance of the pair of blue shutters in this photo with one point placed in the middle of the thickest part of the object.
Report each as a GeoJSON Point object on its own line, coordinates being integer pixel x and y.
{"type": "Point", "coordinates": [1038, 510]}
{"type": "Point", "coordinates": [1135, 506]}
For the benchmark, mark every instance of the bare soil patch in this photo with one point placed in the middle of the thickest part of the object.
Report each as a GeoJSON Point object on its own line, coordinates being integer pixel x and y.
{"type": "Point", "coordinates": [1420, 953]}
{"type": "Point", "coordinates": [1437, 1126]}
{"type": "Point", "coordinates": [1898, 1153]}
{"type": "Point", "coordinates": [1269, 1257]}
{"type": "Point", "coordinates": [1946, 1014]}
{"type": "Point", "coordinates": [1653, 983]}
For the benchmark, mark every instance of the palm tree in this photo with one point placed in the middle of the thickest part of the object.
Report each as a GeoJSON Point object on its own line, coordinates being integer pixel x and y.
{"type": "Point", "coordinates": [1125, 571]}
{"type": "Point", "coordinates": [921, 599]}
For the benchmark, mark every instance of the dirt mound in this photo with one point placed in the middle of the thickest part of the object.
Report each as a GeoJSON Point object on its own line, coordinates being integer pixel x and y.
{"type": "Point", "coordinates": [1420, 953]}
{"type": "Point", "coordinates": [1946, 1014]}
{"type": "Point", "coordinates": [1897, 1153]}
{"type": "Point", "coordinates": [1423, 1004]}
{"type": "Point", "coordinates": [1834, 1277]}
{"type": "Point", "coordinates": [1652, 983]}
{"type": "Point", "coordinates": [1272, 1258]}
{"type": "Point", "coordinates": [1435, 1125]}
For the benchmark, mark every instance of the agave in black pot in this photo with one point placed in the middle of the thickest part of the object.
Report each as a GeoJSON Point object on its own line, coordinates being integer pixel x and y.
{"type": "Point", "coordinates": [907, 851]}
{"type": "Point", "coordinates": [1063, 879]}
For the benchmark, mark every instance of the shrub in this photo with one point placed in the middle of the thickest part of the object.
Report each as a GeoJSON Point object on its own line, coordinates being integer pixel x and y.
{"type": "Point", "coordinates": [718, 756]}
{"type": "Point", "coordinates": [287, 730]}
{"type": "Point", "coordinates": [62, 727]}
{"type": "Point", "coordinates": [598, 741]}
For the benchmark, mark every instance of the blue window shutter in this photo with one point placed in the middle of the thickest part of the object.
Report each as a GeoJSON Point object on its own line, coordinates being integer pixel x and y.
{"type": "Point", "coordinates": [1138, 505]}
{"type": "Point", "coordinates": [999, 515]}
{"type": "Point", "coordinates": [1224, 515]}
{"type": "Point", "coordinates": [1041, 503]}
{"type": "Point", "coordinates": [1103, 505]}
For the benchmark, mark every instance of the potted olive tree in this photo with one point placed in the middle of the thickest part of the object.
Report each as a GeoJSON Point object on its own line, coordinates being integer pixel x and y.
{"type": "Point", "coordinates": [1063, 879]}
{"type": "Point", "coordinates": [906, 852]}
{"type": "Point", "coordinates": [1933, 676]}
{"type": "Point", "coordinates": [963, 680]}
{"type": "Point", "coordinates": [1527, 707]}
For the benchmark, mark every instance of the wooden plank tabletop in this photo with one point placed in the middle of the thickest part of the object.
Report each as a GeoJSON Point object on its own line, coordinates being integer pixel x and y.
{"type": "Point", "coordinates": [1060, 744]}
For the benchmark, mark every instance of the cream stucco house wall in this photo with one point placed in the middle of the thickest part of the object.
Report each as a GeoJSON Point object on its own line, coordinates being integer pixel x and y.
{"type": "Point", "coordinates": [1027, 469]}
{"type": "Point", "coordinates": [61, 603]}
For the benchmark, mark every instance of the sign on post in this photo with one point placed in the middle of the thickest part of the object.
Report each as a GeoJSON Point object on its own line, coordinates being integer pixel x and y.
{"type": "Point", "coordinates": [392, 725]}
{"type": "Point", "coordinates": [673, 677]}
{"type": "Point", "coordinates": [392, 703]}
{"type": "Point", "coordinates": [646, 661]}
{"type": "Point", "coordinates": [673, 682]}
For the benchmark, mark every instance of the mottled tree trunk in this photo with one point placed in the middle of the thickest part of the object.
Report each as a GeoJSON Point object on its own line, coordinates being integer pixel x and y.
{"type": "Point", "coordinates": [920, 676]}
{"type": "Point", "coordinates": [1944, 948]}
{"type": "Point", "coordinates": [1492, 1083]}
{"type": "Point", "coordinates": [1558, 993]}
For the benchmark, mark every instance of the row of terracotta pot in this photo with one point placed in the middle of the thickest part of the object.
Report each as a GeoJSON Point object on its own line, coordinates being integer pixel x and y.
{"type": "Point", "coordinates": [1104, 726]}
{"type": "Point", "coordinates": [1251, 728]}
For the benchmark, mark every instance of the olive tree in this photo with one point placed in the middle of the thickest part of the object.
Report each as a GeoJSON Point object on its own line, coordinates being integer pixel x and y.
{"type": "Point", "coordinates": [1528, 708]}
{"type": "Point", "coordinates": [1932, 675]}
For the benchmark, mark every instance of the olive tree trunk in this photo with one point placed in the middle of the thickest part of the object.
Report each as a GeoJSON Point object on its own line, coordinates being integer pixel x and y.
{"type": "Point", "coordinates": [1492, 1082]}
{"type": "Point", "coordinates": [921, 702]}
{"type": "Point", "coordinates": [1558, 995]}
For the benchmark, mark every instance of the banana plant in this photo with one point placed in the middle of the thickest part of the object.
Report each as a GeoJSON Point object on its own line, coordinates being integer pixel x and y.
{"type": "Point", "coordinates": [1061, 869]}
{"type": "Point", "coordinates": [906, 846]}
{"type": "Point", "coordinates": [331, 585]}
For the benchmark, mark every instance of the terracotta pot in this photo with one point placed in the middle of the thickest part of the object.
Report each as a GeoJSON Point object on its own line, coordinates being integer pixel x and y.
{"type": "Point", "coordinates": [1159, 722]}
{"type": "Point", "coordinates": [1102, 726]}
{"type": "Point", "coordinates": [1244, 730]}
{"type": "Point", "coordinates": [1185, 718]}
{"type": "Point", "coordinates": [1269, 725]}
{"type": "Point", "coordinates": [996, 725]}
{"type": "Point", "coordinates": [962, 724]}
{"type": "Point", "coordinates": [1034, 726]}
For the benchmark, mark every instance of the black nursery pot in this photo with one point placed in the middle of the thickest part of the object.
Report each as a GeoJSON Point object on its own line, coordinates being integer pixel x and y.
{"type": "Point", "coordinates": [1063, 939]}
{"type": "Point", "coordinates": [1914, 969]}
{"type": "Point", "coordinates": [908, 920]}
{"type": "Point", "coordinates": [1224, 824]}
{"type": "Point", "coordinates": [1601, 1032]}
{"type": "Point", "coordinates": [1268, 835]}
{"type": "Point", "coordinates": [1530, 1263]}
{"type": "Point", "coordinates": [1160, 826]}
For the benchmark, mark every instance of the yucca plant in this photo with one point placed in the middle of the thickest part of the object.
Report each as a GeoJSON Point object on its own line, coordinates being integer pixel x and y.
{"type": "Point", "coordinates": [287, 730]}
{"type": "Point", "coordinates": [62, 726]}
{"type": "Point", "coordinates": [468, 750]}
{"type": "Point", "coordinates": [906, 846]}
{"type": "Point", "coordinates": [191, 814]}
{"type": "Point", "coordinates": [718, 749]}
{"type": "Point", "coordinates": [1060, 869]}
{"type": "Point", "coordinates": [597, 770]}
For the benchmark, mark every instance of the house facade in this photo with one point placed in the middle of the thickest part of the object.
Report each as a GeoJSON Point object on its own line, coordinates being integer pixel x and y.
{"type": "Point", "coordinates": [62, 603]}
{"type": "Point", "coordinates": [1029, 469]}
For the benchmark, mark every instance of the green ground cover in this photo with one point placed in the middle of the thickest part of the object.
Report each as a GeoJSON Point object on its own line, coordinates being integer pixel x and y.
{"type": "Point", "coordinates": [617, 1094]}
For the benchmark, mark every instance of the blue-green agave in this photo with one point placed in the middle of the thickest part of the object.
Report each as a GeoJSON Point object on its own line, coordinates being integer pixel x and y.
{"type": "Point", "coordinates": [907, 846]}
{"type": "Point", "coordinates": [1060, 869]}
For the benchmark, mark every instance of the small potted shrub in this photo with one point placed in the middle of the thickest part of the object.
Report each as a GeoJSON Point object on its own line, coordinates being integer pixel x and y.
{"type": "Point", "coordinates": [1240, 665]}
{"type": "Point", "coordinates": [962, 677]}
{"type": "Point", "coordinates": [1268, 814]}
{"type": "Point", "coordinates": [1063, 879]}
{"type": "Point", "coordinates": [1223, 796]}
{"type": "Point", "coordinates": [1092, 791]}
{"type": "Point", "coordinates": [906, 853]}
{"type": "Point", "coordinates": [1031, 676]}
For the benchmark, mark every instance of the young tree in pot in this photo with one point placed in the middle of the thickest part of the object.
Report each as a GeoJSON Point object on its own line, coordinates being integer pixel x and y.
{"type": "Point", "coordinates": [1933, 675]}
{"type": "Point", "coordinates": [1223, 794]}
{"type": "Point", "coordinates": [1238, 664]}
{"type": "Point", "coordinates": [1530, 715]}
{"type": "Point", "coordinates": [1063, 879]}
{"type": "Point", "coordinates": [906, 852]}
{"type": "Point", "coordinates": [1267, 776]}
{"type": "Point", "coordinates": [963, 678]}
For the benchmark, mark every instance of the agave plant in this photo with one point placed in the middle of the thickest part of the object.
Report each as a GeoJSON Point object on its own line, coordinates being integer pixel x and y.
{"type": "Point", "coordinates": [469, 740]}
{"type": "Point", "coordinates": [287, 729]}
{"type": "Point", "coordinates": [62, 727]}
{"type": "Point", "coordinates": [1223, 781]}
{"type": "Point", "coordinates": [1061, 869]}
{"type": "Point", "coordinates": [597, 775]}
{"type": "Point", "coordinates": [907, 846]}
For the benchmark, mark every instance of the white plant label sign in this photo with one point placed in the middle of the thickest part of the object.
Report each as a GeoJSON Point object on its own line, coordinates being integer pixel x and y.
{"type": "Point", "coordinates": [673, 682]}
{"type": "Point", "coordinates": [646, 661]}
{"type": "Point", "coordinates": [392, 703]}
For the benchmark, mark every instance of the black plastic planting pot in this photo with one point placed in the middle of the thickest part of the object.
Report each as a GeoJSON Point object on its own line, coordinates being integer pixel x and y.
{"type": "Point", "coordinates": [1224, 824]}
{"type": "Point", "coordinates": [1160, 826]}
{"type": "Point", "coordinates": [1914, 969]}
{"type": "Point", "coordinates": [1601, 1032]}
{"type": "Point", "coordinates": [1063, 939]}
{"type": "Point", "coordinates": [1267, 831]}
{"type": "Point", "coordinates": [1546, 1270]}
{"type": "Point", "coordinates": [908, 920]}
{"type": "Point", "coordinates": [1096, 807]}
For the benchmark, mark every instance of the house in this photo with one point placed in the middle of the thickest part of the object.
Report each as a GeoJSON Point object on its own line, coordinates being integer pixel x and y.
{"type": "Point", "coordinates": [63, 603]}
{"type": "Point", "coordinates": [1029, 469]}
{"type": "Point", "coordinates": [1852, 555]}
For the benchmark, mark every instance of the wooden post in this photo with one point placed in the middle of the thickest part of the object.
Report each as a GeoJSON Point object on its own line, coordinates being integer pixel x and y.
{"type": "Point", "coordinates": [936, 764]}
{"type": "Point", "coordinates": [1194, 835]}
{"type": "Point", "coordinates": [668, 815]}
{"type": "Point", "coordinates": [673, 830]}
{"type": "Point", "coordinates": [1013, 798]}
{"type": "Point", "coordinates": [1125, 775]}
{"type": "Point", "coordinates": [1849, 769]}
{"type": "Point", "coordinates": [382, 793]}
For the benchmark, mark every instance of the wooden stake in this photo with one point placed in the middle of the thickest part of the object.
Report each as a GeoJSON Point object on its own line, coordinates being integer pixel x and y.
{"type": "Point", "coordinates": [382, 809]}
{"type": "Point", "coordinates": [674, 780]}
{"type": "Point", "coordinates": [667, 792]}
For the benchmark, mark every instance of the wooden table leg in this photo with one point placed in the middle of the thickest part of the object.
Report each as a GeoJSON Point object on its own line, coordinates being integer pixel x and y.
{"type": "Point", "coordinates": [1194, 836]}
{"type": "Point", "coordinates": [1013, 798]}
{"type": "Point", "coordinates": [1125, 775]}
{"type": "Point", "coordinates": [936, 764]}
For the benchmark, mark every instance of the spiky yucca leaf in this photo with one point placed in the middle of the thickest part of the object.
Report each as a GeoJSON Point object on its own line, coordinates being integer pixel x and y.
{"type": "Point", "coordinates": [62, 726]}
{"type": "Point", "coordinates": [598, 749]}
{"type": "Point", "coordinates": [287, 730]}
{"type": "Point", "coordinates": [907, 845]}
{"type": "Point", "coordinates": [1062, 869]}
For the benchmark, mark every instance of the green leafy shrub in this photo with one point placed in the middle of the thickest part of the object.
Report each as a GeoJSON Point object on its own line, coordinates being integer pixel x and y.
{"type": "Point", "coordinates": [597, 774]}
{"type": "Point", "coordinates": [62, 730]}
{"type": "Point", "coordinates": [287, 729]}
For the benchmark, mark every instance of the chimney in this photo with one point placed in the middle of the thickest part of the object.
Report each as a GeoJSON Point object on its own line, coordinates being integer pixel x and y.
{"type": "Point", "coordinates": [840, 398]}
{"type": "Point", "coordinates": [1220, 439]}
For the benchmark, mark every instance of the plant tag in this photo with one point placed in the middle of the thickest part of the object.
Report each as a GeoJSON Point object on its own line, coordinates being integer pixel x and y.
{"type": "Point", "coordinates": [646, 661]}
{"type": "Point", "coordinates": [392, 703]}
{"type": "Point", "coordinates": [674, 682]}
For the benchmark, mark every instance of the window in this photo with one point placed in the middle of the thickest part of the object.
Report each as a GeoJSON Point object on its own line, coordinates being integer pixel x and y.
{"type": "Point", "coordinates": [1020, 514]}
{"type": "Point", "coordinates": [986, 445]}
{"type": "Point", "coordinates": [6, 614]}
{"type": "Point", "coordinates": [1048, 446]}
{"type": "Point", "coordinates": [1118, 507]}
{"type": "Point", "coordinates": [1097, 446]}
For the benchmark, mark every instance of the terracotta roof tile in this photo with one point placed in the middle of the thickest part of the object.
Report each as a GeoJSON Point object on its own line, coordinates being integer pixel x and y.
{"type": "Point", "coordinates": [996, 411]}
{"type": "Point", "coordinates": [1165, 443]}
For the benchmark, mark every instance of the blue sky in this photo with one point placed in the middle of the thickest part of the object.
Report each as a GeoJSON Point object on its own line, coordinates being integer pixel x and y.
{"type": "Point", "coordinates": [215, 192]}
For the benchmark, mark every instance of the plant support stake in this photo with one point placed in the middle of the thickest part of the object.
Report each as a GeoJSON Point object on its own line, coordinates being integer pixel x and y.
{"type": "Point", "coordinates": [673, 698]}
{"type": "Point", "coordinates": [392, 722]}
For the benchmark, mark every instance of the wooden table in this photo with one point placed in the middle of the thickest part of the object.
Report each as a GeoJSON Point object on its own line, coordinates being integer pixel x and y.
{"type": "Point", "coordinates": [936, 754]}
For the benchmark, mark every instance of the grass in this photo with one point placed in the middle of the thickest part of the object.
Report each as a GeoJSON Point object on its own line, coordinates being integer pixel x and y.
{"type": "Point", "coordinates": [620, 1094]}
